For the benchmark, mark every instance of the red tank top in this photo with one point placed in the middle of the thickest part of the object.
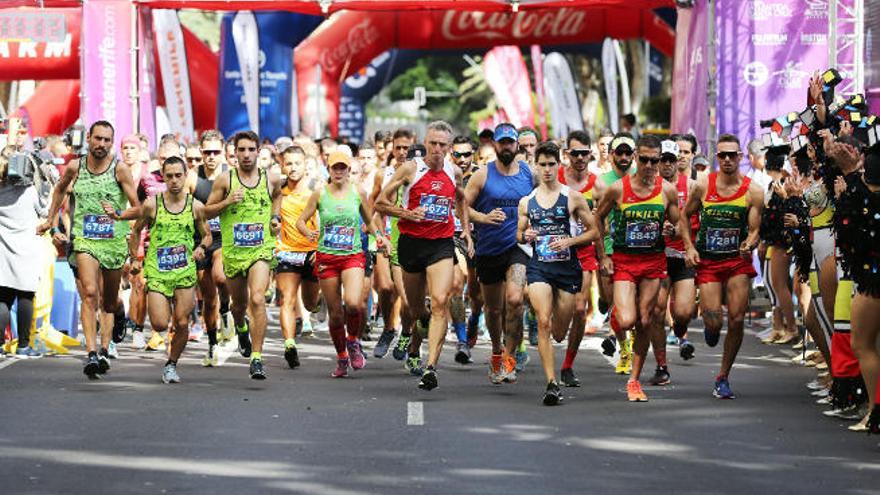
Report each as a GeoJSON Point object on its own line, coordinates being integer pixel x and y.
{"type": "Point", "coordinates": [681, 187]}
{"type": "Point", "coordinates": [433, 190]}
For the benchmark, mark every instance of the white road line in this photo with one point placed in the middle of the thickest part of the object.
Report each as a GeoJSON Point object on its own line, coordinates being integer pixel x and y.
{"type": "Point", "coordinates": [8, 362]}
{"type": "Point", "coordinates": [415, 414]}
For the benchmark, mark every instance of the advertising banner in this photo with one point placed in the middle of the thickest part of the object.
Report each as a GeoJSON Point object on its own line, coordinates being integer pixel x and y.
{"type": "Point", "coordinates": [39, 44]}
{"type": "Point", "coordinates": [562, 98]}
{"type": "Point", "coordinates": [690, 75]}
{"type": "Point", "coordinates": [506, 74]}
{"type": "Point", "coordinates": [175, 73]}
{"type": "Point", "coordinates": [146, 79]}
{"type": "Point", "coordinates": [609, 76]}
{"type": "Point", "coordinates": [538, 69]}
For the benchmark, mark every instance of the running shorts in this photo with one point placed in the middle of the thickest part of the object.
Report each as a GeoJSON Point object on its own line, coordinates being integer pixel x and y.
{"type": "Point", "coordinates": [331, 265]}
{"type": "Point", "coordinates": [416, 254]}
{"type": "Point", "coordinates": [678, 270]}
{"type": "Point", "coordinates": [300, 262]}
{"type": "Point", "coordinates": [587, 256]}
{"type": "Point", "coordinates": [208, 261]}
{"type": "Point", "coordinates": [570, 282]}
{"type": "Point", "coordinates": [637, 267]}
{"type": "Point", "coordinates": [493, 269]}
{"type": "Point", "coordinates": [722, 270]}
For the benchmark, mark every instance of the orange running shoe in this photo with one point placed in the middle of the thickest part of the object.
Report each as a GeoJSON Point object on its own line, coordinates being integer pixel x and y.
{"type": "Point", "coordinates": [634, 392]}
{"type": "Point", "coordinates": [509, 369]}
{"type": "Point", "coordinates": [495, 374]}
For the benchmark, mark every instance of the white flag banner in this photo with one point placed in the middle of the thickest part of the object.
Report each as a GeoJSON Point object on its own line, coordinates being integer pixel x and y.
{"type": "Point", "coordinates": [561, 95]}
{"type": "Point", "coordinates": [247, 48]}
{"type": "Point", "coordinates": [609, 72]}
{"type": "Point", "coordinates": [175, 72]}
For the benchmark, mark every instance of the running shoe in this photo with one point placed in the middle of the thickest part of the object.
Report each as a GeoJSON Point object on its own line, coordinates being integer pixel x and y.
{"type": "Point", "coordinates": [686, 349]}
{"type": "Point", "coordinates": [634, 392]}
{"type": "Point", "coordinates": [722, 389]}
{"type": "Point", "coordinates": [400, 352]}
{"type": "Point", "coordinates": [308, 330]}
{"type": "Point", "coordinates": [384, 342]}
{"type": "Point", "coordinates": [429, 379]}
{"type": "Point", "coordinates": [671, 339]}
{"type": "Point", "coordinates": [292, 357]}
{"type": "Point", "coordinates": [169, 374]}
{"type": "Point", "coordinates": [568, 378]}
{"type": "Point", "coordinates": [553, 395]}
{"type": "Point", "coordinates": [341, 370]}
{"type": "Point", "coordinates": [873, 423]}
{"type": "Point", "coordinates": [244, 340]}
{"type": "Point", "coordinates": [463, 354]}
{"type": "Point", "coordinates": [624, 363]}
{"type": "Point", "coordinates": [495, 374]}
{"type": "Point", "coordinates": [112, 353]}
{"type": "Point", "coordinates": [522, 359]}
{"type": "Point", "coordinates": [92, 369]}
{"type": "Point", "coordinates": [413, 364]}
{"type": "Point", "coordinates": [210, 358]}
{"type": "Point", "coordinates": [195, 332]}
{"type": "Point", "coordinates": [227, 328]}
{"type": "Point", "coordinates": [27, 353]}
{"type": "Point", "coordinates": [256, 370]}
{"type": "Point", "coordinates": [851, 413]}
{"type": "Point", "coordinates": [156, 343]}
{"type": "Point", "coordinates": [119, 321]}
{"type": "Point", "coordinates": [138, 342]}
{"type": "Point", "coordinates": [609, 345]}
{"type": "Point", "coordinates": [356, 354]}
{"type": "Point", "coordinates": [508, 369]}
{"type": "Point", "coordinates": [661, 377]}
{"type": "Point", "coordinates": [103, 362]}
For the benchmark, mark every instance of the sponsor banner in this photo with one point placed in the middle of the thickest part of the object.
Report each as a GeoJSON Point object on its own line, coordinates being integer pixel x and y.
{"type": "Point", "coordinates": [175, 72]}
{"type": "Point", "coordinates": [690, 75]}
{"type": "Point", "coordinates": [609, 74]}
{"type": "Point", "coordinates": [146, 78]}
{"type": "Point", "coordinates": [39, 44]}
{"type": "Point", "coordinates": [506, 74]}
{"type": "Point", "coordinates": [538, 69]}
{"type": "Point", "coordinates": [562, 98]}
{"type": "Point", "coordinates": [107, 70]}
{"type": "Point", "coordinates": [247, 52]}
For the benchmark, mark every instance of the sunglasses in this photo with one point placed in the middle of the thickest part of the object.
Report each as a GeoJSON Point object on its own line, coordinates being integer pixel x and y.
{"type": "Point", "coordinates": [465, 154]}
{"type": "Point", "coordinates": [212, 152]}
{"type": "Point", "coordinates": [623, 152]}
{"type": "Point", "coordinates": [579, 153]}
{"type": "Point", "coordinates": [668, 159]}
{"type": "Point", "coordinates": [644, 160]}
{"type": "Point", "coordinates": [727, 155]}
{"type": "Point", "coordinates": [193, 158]}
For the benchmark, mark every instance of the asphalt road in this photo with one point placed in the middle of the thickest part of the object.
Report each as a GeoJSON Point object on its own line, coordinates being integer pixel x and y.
{"type": "Point", "coordinates": [301, 432]}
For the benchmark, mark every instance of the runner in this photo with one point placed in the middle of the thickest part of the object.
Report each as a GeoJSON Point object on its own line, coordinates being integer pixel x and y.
{"type": "Point", "coordinates": [212, 281]}
{"type": "Point", "coordinates": [431, 187]}
{"type": "Point", "coordinates": [553, 271]}
{"type": "Point", "coordinates": [493, 194]}
{"type": "Point", "coordinates": [340, 260]}
{"type": "Point", "coordinates": [99, 243]}
{"type": "Point", "coordinates": [173, 216]}
{"type": "Point", "coordinates": [578, 178]}
{"type": "Point", "coordinates": [730, 215]}
{"type": "Point", "coordinates": [248, 202]}
{"type": "Point", "coordinates": [638, 263]}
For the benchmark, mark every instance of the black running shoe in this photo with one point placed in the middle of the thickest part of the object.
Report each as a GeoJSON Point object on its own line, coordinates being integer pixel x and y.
{"type": "Point", "coordinates": [92, 369]}
{"type": "Point", "coordinates": [292, 358]}
{"type": "Point", "coordinates": [661, 377]}
{"type": "Point", "coordinates": [119, 321]}
{"type": "Point", "coordinates": [244, 344]}
{"type": "Point", "coordinates": [874, 421]}
{"type": "Point", "coordinates": [686, 350]}
{"type": "Point", "coordinates": [429, 380]}
{"type": "Point", "coordinates": [609, 345]}
{"type": "Point", "coordinates": [553, 395]}
{"type": "Point", "coordinates": [103, 362]}
{"type": "Point", "coordinates": [256, 370]}
{"type": "Point", "coordinates": [568, 378]}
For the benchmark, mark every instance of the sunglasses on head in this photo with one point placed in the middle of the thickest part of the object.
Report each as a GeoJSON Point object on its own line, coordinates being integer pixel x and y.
{"type": "Point", "coordinates": [462, 154]}
{"type": "Point", "coordinates": [644, 160]}
{"type": "Point", "coordinates": [579, 153]}
{"type": "Point", "coordinates": [212, 152]}
{"type": "Point", "coordinates": [728, 155]}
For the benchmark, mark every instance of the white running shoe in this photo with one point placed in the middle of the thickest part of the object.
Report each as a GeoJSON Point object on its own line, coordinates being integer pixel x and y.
{"type": "Point", "coordinates": [137, 341]}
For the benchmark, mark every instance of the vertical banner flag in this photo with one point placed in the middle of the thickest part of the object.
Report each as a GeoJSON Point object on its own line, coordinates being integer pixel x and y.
{"type": "Point", "coordinates": [609, 72]}
{"type": "Point", "coordinates": [565, 108]}
{"type": "Point", "coordinates": [175, 72]}
{"type": "Point", "coordinates": [765, 59]}
{"type": "Point", "coordinates": [538, 69]}
{"type": "Point", "coordinates": [690, 75]}
{"type": "Point", "coordinates": [146, 80]}
{"type": "Point", "coordinates": [107, 66]}
{"type": "Point", "coordinates": [247, 51]}
{"type": "Point", "coordinates": [506, 74]}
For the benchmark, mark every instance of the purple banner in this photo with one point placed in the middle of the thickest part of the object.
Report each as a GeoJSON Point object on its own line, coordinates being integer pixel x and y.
{"type": "Point", "coordinates": [767, 50]}
{"type": "Point", "coordinates": [146, 82]}
{"type": "Point", "coordinates": [690, 104]}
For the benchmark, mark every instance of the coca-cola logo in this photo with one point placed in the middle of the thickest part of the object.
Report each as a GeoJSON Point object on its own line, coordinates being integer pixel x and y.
{"type": "Point", "coordinates": [359, 37]}
{"type": "Point", "coordinates": [556, 23]}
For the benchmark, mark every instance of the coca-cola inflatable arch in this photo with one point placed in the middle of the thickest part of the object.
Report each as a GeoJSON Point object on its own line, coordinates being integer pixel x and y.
{"type": "Point", "coordinates": [349, 40]}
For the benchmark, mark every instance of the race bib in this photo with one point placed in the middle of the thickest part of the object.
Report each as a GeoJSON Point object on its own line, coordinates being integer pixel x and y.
{"type": "Point", "coordinates": [642, 234]}
{"type": "Point", "coordinates": [98, 227]}
{"type": "Point", "coordinates": [291, 258]}
{"type": "Point", "coordinates": [722, 240]}
{"type": "Point", "coordinates": [542, 249]}
{"type": "Point", "coordinates": [247, 234]}
{"type": "Point", "coordinates": [171, 258]}
{"type": "Point", "coordinates": [214, 224]}
{"type": "Point", "coordinates": [436, 207]}
{"type": "Point", "coordinates": [339, 238]}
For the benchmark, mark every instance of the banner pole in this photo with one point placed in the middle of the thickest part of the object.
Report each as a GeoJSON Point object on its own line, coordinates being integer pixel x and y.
{"type": "Point", "coordinates": [712, 87]}
{"type": "Point", "coordinates": [135, 86]}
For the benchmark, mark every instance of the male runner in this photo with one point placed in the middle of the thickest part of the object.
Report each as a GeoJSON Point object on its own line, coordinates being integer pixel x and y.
{"type": "Point", "coordinates": [248, 202]}
{"type": "Point", "coordinates": [493, 194]}
{"type": "Point", "coordinates": [99, 242]}
{"type": "Point", "coordinates": [426, 250]}
{"type": "Point", "coordinates": [643, 201]}
{"type": "Point", "coordinates": [730, 216]}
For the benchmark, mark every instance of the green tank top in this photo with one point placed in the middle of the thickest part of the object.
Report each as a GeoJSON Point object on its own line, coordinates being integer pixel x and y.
{"type": "Point", "coordinates": [169, 257]}
{"type": "Point", "coordinates": [639, 225]}
{"type": "Point", "coordinates": [610, 177]}
{"type": "Point", "coordinates": [724, 221]}
{"type": "Point", "coordinates": [93, 230]}
{"type": "Point", "coordinates": [340, 223]}
{"type": "Point", "coordinates": [245, 226]}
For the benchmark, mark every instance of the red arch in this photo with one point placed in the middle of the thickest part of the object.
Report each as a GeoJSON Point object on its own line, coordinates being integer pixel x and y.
{"type": "Point", "coordinates": [349, 40]}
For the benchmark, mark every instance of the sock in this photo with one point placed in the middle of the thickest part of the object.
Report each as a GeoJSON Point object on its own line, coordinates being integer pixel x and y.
{"type": "Point", "coordinates": [104, 351]}
{"type": "Point", "coordinates": [660, 356]}
{"type": "Point", "coordinates": [570, 354]}
{"type": "Point", "coordinates": [522, 346]}
{"type": "Point", "coordinates": [256, 356]}
{"type": "Point", "coordinates": [342, 355]}
{"type": "Point", "coordinates": [299, 325]}
{"type": "Point", "coordinates": [720, 376]}
{"type": "Point", "coordinates": [170, 362]}
{"type": "Point", "coordinates": [351, 338]}
{"type": "Point", "coordinates": [93, 353]}
{"type": "Point", "coordinates": [353, 322]}
{"type": "Point", "coordinates": [337, 335]}
{"type": "Point", "coordinates": [212, 337]}
{"type": "Point", "coordinates": [679, 330]}
{"type": "Point", "coordinates": [242, 329]}
{"type": "Point", "coordinates": [139, 328]}
{"type": "Point", "coordinates": [288, 343]}
{"type": "Point", "coordinates": [224, 307]}
{"type": "Point", "coordinates": [460, 331]}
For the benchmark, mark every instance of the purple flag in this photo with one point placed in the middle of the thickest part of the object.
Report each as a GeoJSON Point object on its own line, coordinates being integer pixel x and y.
{"type": "Point", "coordinates": [690, 104]}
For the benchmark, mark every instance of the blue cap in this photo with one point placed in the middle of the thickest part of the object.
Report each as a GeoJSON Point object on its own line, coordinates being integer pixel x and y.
{"type": "Point", "coordinates": [505, 131]}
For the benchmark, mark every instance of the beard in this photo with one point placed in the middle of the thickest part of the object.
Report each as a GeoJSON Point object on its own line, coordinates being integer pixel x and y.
{"type": "Point", "coordinates": [506, 157]}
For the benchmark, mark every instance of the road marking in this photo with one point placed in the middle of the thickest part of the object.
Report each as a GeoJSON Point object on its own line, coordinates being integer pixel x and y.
{"type": "Point", "coordinates": [415, 414]}
{"type": "Point", "coordinates": [8, 362]}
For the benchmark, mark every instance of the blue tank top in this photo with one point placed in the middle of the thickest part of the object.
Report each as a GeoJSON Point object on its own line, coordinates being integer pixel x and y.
{"type": "Point", "coordinates": [552, 224]}
{"type": "Point", "coordinates": [500, 191]}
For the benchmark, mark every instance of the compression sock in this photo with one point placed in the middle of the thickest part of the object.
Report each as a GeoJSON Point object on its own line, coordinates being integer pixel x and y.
{"type": "Point", "coordinates": [568, 362]}
{"type": "Point", "coordinates": [212, 337]}
{"type": "Point", "coordinates": [337, 334]}
{"type": "Point", "coordinates": [660, 357]}
{"type": "Point", "coordinates": [460, 331]}
{"type": "Point", "coordinates": [256, 356]}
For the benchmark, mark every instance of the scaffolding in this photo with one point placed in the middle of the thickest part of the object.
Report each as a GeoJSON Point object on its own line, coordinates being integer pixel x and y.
{"type": "Point", "coordinates": [846, 43]}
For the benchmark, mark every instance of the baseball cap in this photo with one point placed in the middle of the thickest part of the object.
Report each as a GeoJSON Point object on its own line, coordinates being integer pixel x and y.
{"type": "Point", "coordinates": [668, 147]}
{"type": "Point", "coordinates": [338, 157]}
{"type": "Point", "coordinates": [505, 131]}
{"type": "Point", "coordinates": [283, 143]}
{"type": "Point", "coordinates": [619, 141]}
{"type": "Point", "coordinates": [700, 160]}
